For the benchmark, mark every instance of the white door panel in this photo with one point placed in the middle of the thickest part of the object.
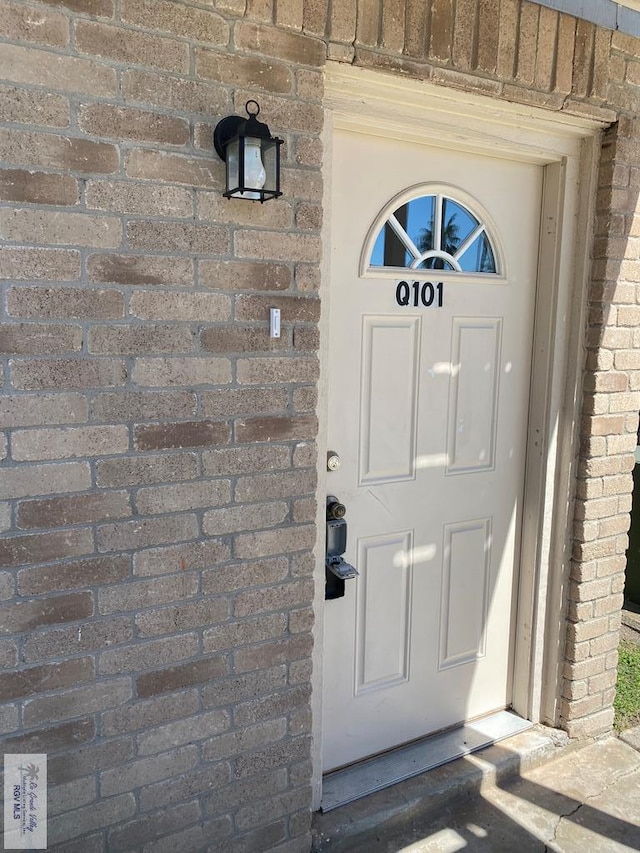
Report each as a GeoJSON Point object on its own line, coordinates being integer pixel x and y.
{"type": "Point", "coordinates": [428, 412]}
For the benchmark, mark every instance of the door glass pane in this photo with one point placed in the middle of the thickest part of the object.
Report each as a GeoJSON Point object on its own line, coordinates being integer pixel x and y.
{"type": "Point", "coordinates": [478, 257]}
{"type": "Point", "coordinates": [457, 225]}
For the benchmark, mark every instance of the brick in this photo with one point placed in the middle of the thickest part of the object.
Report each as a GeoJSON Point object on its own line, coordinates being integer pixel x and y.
{"type": "Point", "coordinates": [79, 574]}
{"type": "Point", "coordinates": [92, 636]}
{"type": "Point", "coordinates": [152, 826]}
{"type": "Point", "coordinates": [197, 24]}
{"type": "Point", "coordinates": [245, 460]}
{"type": "Point", "coordinates": [298, 309]}
{"type": "Point", "coordinates": [134, 340]}
{"type": "Point", "coordinates": [27, 615]}
{"type": "Point", "coordinates": [247, 686]}
{"type": "Point", "coordinates": [72, 795]}
{"type": "Point", "coordinates": [147, 713]}
{"type": "Point", "coordinates": [95, 816]}
{"type": "Point", "coordinates": [131, 47]}
{"type": "Point", "coordinates": [43, 226]}
{"type": "Point", "coordinates": [240, 575]}
{"type": "Point", "coordinates": [220, 522]}
{"type": "Point", "coordinates": [204, 493]}
{"type": "Point", "coordinates": [105, 120]}
{"type": "Point", "coordinates": [40, 26]}
{"type": "Point", "coordinates": [275, 756]}
{"type": "Point", "coordinates": [261, 371]}
{"type": "Point", "coordinates": [235, 634]}
{"type": "Point", "coordinates": [65, 303]}
{"type": "Point", "coordinates": [248, 738]}
{"type": "Point", "coordinates": [146, 593]}
{"type": "Point", "coordinates": [192, 555]}
{"type": "Point", "coordinates": [59, 152]}
{"type": "Point", "coordinates": [6, 586]}
{"type": "Point", "coordinates": [39, 339]}
{"type": "Point", "coordinates": [66, 442]}
{"type": "Point", "coordinates": [235, 275]}
{"type": "Point", "coordinates": [276, 806]}
{"type": "Point", "coordinates": [266, 543]}
{"type": "Point", "coordinates": [145, 655]}
{"type": "Point", "coordinates": [22, 263]}
{"type": "Point", "coordinates": [282, 485]}
{"type": "Point", "coordinates": [274, 652]}
{"type": "Point", "coordinates": [39, 679]}
{"type": "Point", "coordinates": [95, 8]}
{"type": "Point", "coordinates": [182, 434]}
{"type": "Point", "coordinates": [130, 197]}
{"type": "Point", "coordinates": [131, 471]}
{"type": "Point", "coordinates": [140, 270]}
{"type": "Point", "coordinates": [245, 71]}
{"type": "Point", "coordinates": [51, 739]}
{"type": "Point", "coordinates": [368, 22]}
{"type": "Point", "coordinates": [307, 278]}
{"type": "Point", "coordinates": [183, 731]}
{"type": "Point", "coordinates": [44, 479]}
{"type": "Point", "coordinates": [45, 547]}
{"type": "Point", "coordinates": [241, 792]}
{"type": "Point", "coordinates": [67, 373]}
{"type": "Point", "coordinates": [202, 370]}
{"type": "Point", "coordinates": [32, 106]}
{"type": "Point", "coordinates": [245, 401]}
{"type": "Point", "coordinates": [463, 34]}
{"type": "Point", "coordinates": [235, 339]}
{"type": "Point", "coordinates": [583, 57]}
{"type": "Point", "coordinates": [276, 428]}
{"type": "Point", "coordinates": [192, 307]}
{"type": "Point", "coordinates": [183, 787]}
{"type": "Point", "coordinates": [138, 774]}
{"type": "Point", "coordinates": [282, 597]}
{"type": "Point", "coordinates": [143, 405]}
{"type": "Point", "coordinates": [9, 719]}
{"type": "Point", "coordinates": [280, 44]}
{"type": "Point", "coordinates": [37, 187]}
{"type": "Point", "coordinates": [179, 237]}
{"type": "Point", "coordinates": [179, 677]}
{"type": "Point", "coordinates": [129, 535]}
{"type": "Point", "coordinates": [174, 168]}
{"type": "Point", "coordinates": [66, 73]}
{"type": "Point", "coordinates": [175, 93]}
{"type": "Point", "coordinates": [276, 246]}
{"type": "Point", "coordinates": [5, 517]}
{"type": "Point", "coordinates": [212, 207]}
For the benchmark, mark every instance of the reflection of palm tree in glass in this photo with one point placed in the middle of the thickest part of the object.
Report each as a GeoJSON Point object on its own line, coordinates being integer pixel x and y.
{"type": "Point", "coordinates": [449, 242]}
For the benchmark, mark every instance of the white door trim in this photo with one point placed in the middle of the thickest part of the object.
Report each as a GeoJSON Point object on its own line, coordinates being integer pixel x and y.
{"type": "Point", "coordinates": [567, 146]}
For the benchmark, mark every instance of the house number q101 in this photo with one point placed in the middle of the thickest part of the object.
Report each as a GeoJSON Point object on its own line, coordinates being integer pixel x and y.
{"type": "Point", "coordinates": [419, 293]}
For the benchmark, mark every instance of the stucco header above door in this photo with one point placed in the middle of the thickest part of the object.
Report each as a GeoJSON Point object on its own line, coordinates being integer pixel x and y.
{"type": "Point", "coordinates": [415, 110]}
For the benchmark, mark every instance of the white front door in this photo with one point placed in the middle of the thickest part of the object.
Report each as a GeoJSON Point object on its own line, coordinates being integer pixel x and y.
{"type": "Point", "coordinates": [428, 414]}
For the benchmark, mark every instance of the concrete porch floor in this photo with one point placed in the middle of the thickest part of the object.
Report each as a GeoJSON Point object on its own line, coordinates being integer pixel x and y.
{"type": "Point", "coordinates": [533, 792]}
{"type": "Point", "coordinates": [536, 791]}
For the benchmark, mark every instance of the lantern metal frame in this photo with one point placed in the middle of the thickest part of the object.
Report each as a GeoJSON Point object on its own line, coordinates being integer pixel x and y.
{"type": "Point", "coordinates": [232, 134]}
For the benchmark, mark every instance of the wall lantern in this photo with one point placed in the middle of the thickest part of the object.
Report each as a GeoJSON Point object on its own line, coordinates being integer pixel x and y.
{"type": "Point", "coordinates": [252, 156]}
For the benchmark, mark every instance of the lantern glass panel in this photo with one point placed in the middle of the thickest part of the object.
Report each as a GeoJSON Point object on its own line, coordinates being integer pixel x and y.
{"type": "Point", "coordinates": [270, 158]}
{"type": "Point", "coordinates": [233, 165]}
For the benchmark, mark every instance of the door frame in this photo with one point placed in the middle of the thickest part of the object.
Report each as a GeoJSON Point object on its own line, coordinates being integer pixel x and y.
{"type": "Point", "coordinates": [567, 147]}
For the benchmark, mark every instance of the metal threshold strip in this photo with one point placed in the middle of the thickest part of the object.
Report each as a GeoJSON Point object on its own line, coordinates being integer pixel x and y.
{"type": "Point", "coordinates": [366, 777]}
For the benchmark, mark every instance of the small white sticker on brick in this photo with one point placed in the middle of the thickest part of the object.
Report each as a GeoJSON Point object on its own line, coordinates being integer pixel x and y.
{"type": "Point", "coordinates": [25, 801]}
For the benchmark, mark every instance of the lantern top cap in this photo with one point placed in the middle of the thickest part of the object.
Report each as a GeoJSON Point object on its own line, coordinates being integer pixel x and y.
{"type": "Point", "coordinates": [232, 127]}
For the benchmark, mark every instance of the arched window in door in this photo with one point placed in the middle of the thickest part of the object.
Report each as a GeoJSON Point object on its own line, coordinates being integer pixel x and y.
{"type": "Point", "coordinates": [429, 229]}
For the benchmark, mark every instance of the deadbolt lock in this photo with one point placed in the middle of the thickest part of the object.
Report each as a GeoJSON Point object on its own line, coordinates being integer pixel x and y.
{"type": "Point", "coordinates": [333, 460]}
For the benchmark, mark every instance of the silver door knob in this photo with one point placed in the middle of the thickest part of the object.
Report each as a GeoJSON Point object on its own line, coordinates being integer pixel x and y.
{"type": "Point", "coordinates": [333, 461]}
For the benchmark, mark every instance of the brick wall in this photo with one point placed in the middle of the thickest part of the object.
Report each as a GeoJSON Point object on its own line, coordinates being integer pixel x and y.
{"type": "Point", "coordinates": [157, 448]}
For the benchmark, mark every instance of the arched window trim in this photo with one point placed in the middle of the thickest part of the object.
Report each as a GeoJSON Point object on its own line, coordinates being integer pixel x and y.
{"type": "Point", "coordinates": [456, 194]}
